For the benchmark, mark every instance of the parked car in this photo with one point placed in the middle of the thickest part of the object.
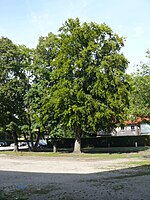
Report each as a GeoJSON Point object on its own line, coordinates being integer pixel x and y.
{"type": "Point", "coordinates": [20, 144]}
{"type": "Point", "coordinates": [42, 144]}
{"type": "Point", "coordinates": [3, 144]}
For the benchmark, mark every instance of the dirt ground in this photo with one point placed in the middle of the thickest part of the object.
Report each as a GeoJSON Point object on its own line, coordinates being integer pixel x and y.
{"type": "Point", "coordinates": [74, 178]}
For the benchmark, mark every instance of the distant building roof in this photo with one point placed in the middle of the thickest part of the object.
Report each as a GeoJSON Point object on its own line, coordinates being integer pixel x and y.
{"type": "Point", "coordinates": [138, 120]}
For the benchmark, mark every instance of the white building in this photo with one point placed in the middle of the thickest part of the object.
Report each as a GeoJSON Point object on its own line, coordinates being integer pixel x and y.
{"type": "Point", "coordinates": [132, 129]}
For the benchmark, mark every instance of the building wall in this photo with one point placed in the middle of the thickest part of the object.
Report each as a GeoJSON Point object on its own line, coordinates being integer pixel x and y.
{"type": "Point", "coordinates": [131, 129]}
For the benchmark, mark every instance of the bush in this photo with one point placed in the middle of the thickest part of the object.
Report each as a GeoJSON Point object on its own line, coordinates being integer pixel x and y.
{"type": "Point", "coordinates": [116, 141]}
{"type": "Point", "coordinates": [104, 141]}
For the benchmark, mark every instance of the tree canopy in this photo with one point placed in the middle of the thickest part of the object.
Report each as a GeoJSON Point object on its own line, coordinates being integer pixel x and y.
{"type": "Point", "coordinates": [75, 80]}
{"type": "Point", "coordinates": [90, 88]}
{"type": "Point", "coordinates": [140, 94]}
{"type": "Point", "coordinates": [13, 85]}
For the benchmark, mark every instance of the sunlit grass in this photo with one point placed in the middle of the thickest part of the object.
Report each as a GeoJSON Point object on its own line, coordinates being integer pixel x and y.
{"type": "Point", "coordinates": [108, 155]}
{"type": "Point", "coordinates": [139, 163]}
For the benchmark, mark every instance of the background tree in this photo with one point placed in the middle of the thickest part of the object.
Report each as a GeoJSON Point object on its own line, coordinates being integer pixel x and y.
{"type": "Point", "coordinates": [90, 85]}
{"type": "Point", "coordinates": [40, 115]}
{"type": "Point", "coordinates": [140, 94]}
{"type": "Point", "coordinates": [13, 85]}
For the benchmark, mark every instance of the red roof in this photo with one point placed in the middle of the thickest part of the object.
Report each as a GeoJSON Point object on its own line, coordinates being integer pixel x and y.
{"type": "Point", "coordinates": [138, 120]}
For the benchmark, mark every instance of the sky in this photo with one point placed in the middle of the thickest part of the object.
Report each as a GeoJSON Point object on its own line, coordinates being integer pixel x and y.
{"type": "Point", "coordinates": [24, 21]}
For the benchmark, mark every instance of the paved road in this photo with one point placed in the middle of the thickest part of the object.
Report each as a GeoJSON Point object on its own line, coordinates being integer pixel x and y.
{"type": "Point", "coordinates": [73, 178]}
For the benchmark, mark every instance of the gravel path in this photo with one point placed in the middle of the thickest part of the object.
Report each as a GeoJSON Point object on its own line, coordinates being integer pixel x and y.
{"type": "Point", "coordinates": [73, 178]}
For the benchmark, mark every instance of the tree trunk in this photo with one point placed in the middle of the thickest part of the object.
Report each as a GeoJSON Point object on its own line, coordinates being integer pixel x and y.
{"type": "Point", "coordinates": [54, 148]}
{"type": "Point", "coordinates": [26, 139]}
{"type": "Point", "coordinates": [77, 145]}
{"type": "Point", "coordinates": [15, 141]}
{"type": "Point", "coordinates": [55, 144]}
{"type": "Point", "coordinates": [37, 140]}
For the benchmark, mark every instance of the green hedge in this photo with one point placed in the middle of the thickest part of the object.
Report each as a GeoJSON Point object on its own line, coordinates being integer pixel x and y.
{"type": "Point", "coordinates": [104, 141]}
{"type": "Point", "coordinates": [116, 141]}
{"type": "Point", "coordinates": [62, 143]}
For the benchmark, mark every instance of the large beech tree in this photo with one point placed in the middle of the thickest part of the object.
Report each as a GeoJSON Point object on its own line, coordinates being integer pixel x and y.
{"type": "Point", "coordinates": [90, 85]}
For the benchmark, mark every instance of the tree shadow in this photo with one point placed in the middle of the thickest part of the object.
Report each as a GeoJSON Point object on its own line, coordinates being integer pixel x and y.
{"type": "Point", "coordinates": [125, 184]}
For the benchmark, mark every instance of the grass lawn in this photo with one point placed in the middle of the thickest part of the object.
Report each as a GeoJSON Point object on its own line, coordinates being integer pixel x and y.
{"type": "Point", "coordinates": [110, 153]}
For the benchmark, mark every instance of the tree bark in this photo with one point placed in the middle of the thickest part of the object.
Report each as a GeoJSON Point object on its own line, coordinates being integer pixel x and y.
{"type": "Point", "coordinates": [37, 138]}
{"type": "Point", "coordinates": [54, 148]}
{"type": "Point", "coordinates": [55, 144]}
{"type": "Point", "coordinates": [15, 141]}
{"type": "Point", "coordinates": [26, 139]}
{"type": "Point", "coordinates": [77, 145]}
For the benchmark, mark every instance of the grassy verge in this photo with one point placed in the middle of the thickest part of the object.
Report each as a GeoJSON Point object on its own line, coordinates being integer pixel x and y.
{"type": "Point", "coordinates": [139, 163]}
{"type": "Point", "coordinates": [118, 153]}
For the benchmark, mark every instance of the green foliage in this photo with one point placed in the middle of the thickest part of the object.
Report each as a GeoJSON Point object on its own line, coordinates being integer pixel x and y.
{"type": "Point", "coordinates": [39, 112]}
{"type": "Point", "coordinates": [140, 95]}
{"type": "Point", "coordinates": [13, 83]}
{"type": "Point", "coordinates": [61, 132]}
{"type": "Point", "coordinates": [91, 88]}
{"type": "Point", "coordinates": [76, 79]}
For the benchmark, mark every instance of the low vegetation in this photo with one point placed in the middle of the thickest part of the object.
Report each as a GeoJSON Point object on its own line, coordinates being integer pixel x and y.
{"type": "Point", "coordinates": [133, 152]}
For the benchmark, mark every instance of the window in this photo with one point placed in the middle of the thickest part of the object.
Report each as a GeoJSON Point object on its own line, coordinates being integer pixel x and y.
{"type": "Point", "coordinates": [132, 128]}
{"type": "Point", "coordinates": [145, 128]}
{"type": "Point", "coordinates": [122, 127]}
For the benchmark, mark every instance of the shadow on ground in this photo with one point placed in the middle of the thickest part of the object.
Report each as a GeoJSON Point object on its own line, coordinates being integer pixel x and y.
{"type": "Point", "coordinates": [125, 184]}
